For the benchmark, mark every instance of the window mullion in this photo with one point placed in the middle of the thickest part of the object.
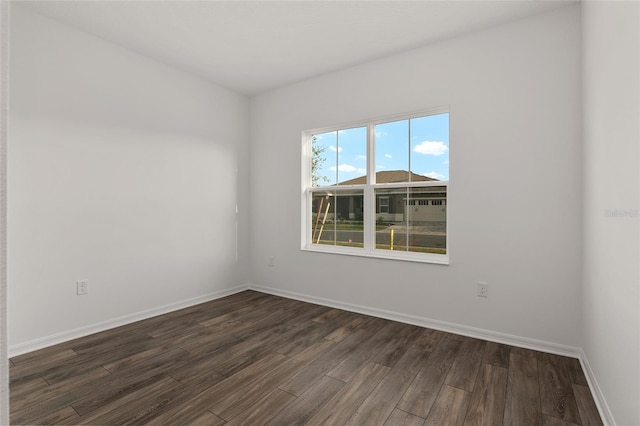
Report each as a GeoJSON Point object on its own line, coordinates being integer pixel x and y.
{"type": "Point", "coordinates": [371, 154]}
{"type": "Point", "coordinates": [307, 221]}
{"type": "Point", "coordinates": [337, 158]}
{"type": "Point", "coordinates": [369, 218]}
{"type": "Point", "coordinates": [409, 147]}
{"type": "Point", "coordinates": [369, 198]}
{"type": "Point", "coordinates": [407, 221]}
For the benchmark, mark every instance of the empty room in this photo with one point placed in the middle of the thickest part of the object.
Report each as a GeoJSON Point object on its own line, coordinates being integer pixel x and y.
{"type": "Point", "coordinates": [320, 212]}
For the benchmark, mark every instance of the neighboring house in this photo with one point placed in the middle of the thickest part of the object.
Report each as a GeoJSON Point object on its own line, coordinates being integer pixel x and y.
{"type": "Point", "coordinates": [390, 176]}
{"type": "Point", "coordinates": [393, 204]}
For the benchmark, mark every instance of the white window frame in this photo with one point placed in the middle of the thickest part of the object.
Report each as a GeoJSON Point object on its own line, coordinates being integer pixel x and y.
{"type": "Point", "coordinates": [384, 205]}
{"type": "Point", "coordinates": [369, 210]}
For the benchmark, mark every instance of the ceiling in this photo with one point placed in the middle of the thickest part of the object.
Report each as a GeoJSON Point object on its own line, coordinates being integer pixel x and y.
{"type": "Point", "coordinates": [254, 46]}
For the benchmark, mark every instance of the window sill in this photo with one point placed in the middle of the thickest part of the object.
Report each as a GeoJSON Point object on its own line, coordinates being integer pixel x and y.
{"type": "Point", "coordinates": [438, 259]}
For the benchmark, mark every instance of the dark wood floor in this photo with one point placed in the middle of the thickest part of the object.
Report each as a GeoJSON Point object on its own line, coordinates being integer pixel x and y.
{"type": "Point", "coordinates": [253, 359]}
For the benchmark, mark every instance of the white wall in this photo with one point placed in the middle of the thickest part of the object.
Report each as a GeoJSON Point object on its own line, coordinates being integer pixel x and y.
{"type": "Point", "coordinates": [4, 350]}
{"type": "Point", "coordinates": [122, 171]}
{"type": "Point", "coordinates": [515, 198]}
{"type": "Point", "coordinates": [611, 312]}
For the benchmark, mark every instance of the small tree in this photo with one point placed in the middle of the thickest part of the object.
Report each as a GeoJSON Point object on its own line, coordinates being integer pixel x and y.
{"type": "Point", "coordinates": [317, 159]}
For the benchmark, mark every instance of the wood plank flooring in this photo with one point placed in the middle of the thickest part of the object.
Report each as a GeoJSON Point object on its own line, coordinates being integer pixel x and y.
{"type": "Point", "coordinates": [254, 359]}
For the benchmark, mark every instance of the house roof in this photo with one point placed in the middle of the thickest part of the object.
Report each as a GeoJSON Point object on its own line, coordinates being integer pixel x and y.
{"type": "Point", "coordinates": [390, 176]}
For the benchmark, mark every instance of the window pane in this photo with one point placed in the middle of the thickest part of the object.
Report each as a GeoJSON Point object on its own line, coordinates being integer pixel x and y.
{"type": "Point", "coordinates": [352, 156]}
{"type": "Point", "coordinates": [392, 151]}
{"type": "Point", "coordinates": [337, 218]}
{"type": "Point", "coordinates": [413, 150]}
{"type": "Point", "coordinates": [412, 219]}
{"type": "Point", "coordinates": [324, 159]}
{"type": "Point", "coordinates": [339, 157]}
{"type": "Point", "coordinates": [430, 146]}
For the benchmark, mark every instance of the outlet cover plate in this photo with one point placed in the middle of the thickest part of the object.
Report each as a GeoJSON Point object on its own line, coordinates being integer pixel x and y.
{"type": "Point", "coordinates": [82, 287]}
{"type": "Point", "coordinates": [483, 290]}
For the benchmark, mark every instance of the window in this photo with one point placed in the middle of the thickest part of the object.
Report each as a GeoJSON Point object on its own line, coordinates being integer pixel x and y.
{"type": "Point", "coordinates": [384, 204]}
{"type": "Point", "coordinates": [378, 188]}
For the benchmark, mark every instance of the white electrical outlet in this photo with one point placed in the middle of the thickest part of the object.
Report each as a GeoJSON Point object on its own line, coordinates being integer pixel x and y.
{"type": "Point", "coordinates": [483, 289]}
{"type": "Point", "coordinates": [82, 287]}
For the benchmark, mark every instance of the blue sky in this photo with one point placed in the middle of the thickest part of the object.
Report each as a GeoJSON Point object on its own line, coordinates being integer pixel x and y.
{"type": "Point", "coordinates": [425, 152]}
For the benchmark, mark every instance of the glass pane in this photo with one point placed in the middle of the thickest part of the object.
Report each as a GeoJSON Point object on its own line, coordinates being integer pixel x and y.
{"type": "Point", "coordinates": [339, 157]}
{"type": "Point", "coordinates": [392, 151]}
{"type": "Point", "coordinates": [352, 156]}
{"type": "Point", "coordinates": [337, 218]}
{"type": "Point", "coordinates": [412, 219]}
{"type": "Point", "coordinates": [413, 150]}
{"type": "Point", "coordinates": [430, 146]}
{"type": "Point", "coordinates": [324, 159]}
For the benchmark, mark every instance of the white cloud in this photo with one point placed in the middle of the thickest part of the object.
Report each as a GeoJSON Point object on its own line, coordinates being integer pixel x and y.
{"type": "Point", "coordinates": [435, 175]}
{"type": "Point", "coordinates": [380, 167]}
{"type": "Point", "coordinates": [334, 149]}
{"type": "Point", "coordinates": [361, 157]}
{"type": "Point", "coordinates": [344, 168]}
{"type": "Point", "coordinates": [362, 171]}
{"type": "Point", "coordinates": [381, 134]}
{"type": "Point", "coordinates": [431, 148]}
{"type": "Point", "coordinates": [388, 156]}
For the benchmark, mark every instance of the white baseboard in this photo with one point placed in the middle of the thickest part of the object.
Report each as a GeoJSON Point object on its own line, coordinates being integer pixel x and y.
{"type": "Point", "coordinates": [596, 392]}
{"type": "Point", "coordinates": [478, 333]}
{"type": "Point", "coordinates": [464, 330]}
{"type": "Point", "coordinates": [65, 336]}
